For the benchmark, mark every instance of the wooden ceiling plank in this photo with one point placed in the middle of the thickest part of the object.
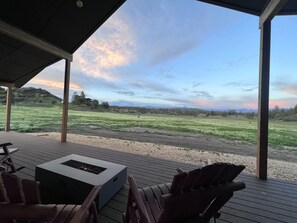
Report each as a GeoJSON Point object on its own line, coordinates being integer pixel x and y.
{"type": "Point", "coordinates": [7, 84]}
{"type": "Point", "coordinates": [27, 38]}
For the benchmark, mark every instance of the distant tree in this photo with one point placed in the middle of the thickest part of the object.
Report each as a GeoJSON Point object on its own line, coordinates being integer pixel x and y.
{"type": "Point", "coordinates": [250, 115]}
{"type": "Point", "coordinates": [82, 96]}
{"type": "Point", "coordinates": [75, 99]}
{"type": "Point", "coordinates": [78, 99]}
{"type": "Point", "coordinates": [95, 103]}
{"type": "Point", "coordinates": [105, 104]}
{"type": "Point", "coordinates": [88, 102]}
{"type": "Point", "coordinates": [224, 114]}
{"type": "Point", "coordinates": [295, 109]}
{"type": "Point", "coordinates": [231, 112]}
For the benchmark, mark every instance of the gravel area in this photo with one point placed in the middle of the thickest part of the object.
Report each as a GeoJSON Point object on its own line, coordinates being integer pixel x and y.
{"type": "Point", "coordinates": [276, 168]}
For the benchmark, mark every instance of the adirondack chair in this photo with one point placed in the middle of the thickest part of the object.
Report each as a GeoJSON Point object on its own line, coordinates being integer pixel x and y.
{"type": "Point", "coordinates": [20, 203]}
{"type": "Point", "coordinates": [6, 163]}
{"type": "Point", "coordinates": [198, 194]}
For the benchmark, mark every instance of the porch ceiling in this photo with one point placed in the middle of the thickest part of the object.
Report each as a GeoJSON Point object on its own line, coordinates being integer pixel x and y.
{"type": "Point", "coordinates": [254, 7]}
{"type": "Point", "coordinates": [60, 23]}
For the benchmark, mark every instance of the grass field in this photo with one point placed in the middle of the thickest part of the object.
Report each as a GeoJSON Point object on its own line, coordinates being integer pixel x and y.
{"type": "Point", "coordinates": [35, 119]}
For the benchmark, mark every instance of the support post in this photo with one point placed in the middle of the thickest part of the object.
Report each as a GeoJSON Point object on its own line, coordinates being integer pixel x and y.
{"type": "Point", "coordinates": [263, 101]}
{"type": "Point", "coordinates": [65, 101]}
{"type": "Point", "coordinates": [8, 108]}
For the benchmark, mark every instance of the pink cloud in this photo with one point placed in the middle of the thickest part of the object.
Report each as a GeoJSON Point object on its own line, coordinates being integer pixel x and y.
{"type": "Point", "coordinates": [282, 103]}
{"type": "Point", "coordinates": [202, 103]}
{"type": "Point", "coordinates": [109, 48]}
{"type": "Point", "coordinates": [55, 84]}
{"type": "Point", "coordinates": [286, 87]}
{"type": "Point", "coordinates": [290, 91]}
{"type": "Point", "coordinates": [250, 105]}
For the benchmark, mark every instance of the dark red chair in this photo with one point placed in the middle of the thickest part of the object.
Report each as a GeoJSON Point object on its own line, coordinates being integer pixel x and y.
{"type": "Point", "coordinates": [198, 194]}
{"type": "Point", "coordinates": [6, 162]}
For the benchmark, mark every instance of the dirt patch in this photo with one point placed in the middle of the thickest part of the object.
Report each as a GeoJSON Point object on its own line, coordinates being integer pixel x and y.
{"type": "Point", "coordinates": [191, 141]}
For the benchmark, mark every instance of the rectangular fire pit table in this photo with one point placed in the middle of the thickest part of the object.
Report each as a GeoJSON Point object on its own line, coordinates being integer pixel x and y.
{"type": "Point", "coordinates": [71, 178]}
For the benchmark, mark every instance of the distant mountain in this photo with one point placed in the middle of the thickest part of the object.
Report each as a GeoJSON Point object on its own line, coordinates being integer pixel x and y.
{"type": "Point", "coordinates": [30, 96]}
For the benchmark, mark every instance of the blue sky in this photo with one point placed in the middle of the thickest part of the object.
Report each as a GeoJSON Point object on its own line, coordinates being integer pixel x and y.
{"type": "Point", "coordinates": [180, 53]}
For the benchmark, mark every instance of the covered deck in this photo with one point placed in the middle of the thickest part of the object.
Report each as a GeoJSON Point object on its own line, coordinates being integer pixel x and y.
{"type": "Point", "coordinates": [262, 201]}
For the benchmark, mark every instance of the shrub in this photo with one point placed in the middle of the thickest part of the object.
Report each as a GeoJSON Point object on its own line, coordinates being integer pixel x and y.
{"type": "Point", "coordinates": [291, 118]}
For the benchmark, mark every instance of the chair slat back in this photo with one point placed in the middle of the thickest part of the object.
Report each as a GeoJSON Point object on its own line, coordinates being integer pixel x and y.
{"type": "Point", "coordinates": [20, 191]}
{"type": "Point", "coordinates": [138, 200]}
{"type": "Point", "coordinates": [178, 183]}
{"type": "Point", "coordinates": [194, 192]}
{"type": "Point", "coordinates": [191, 180]}
{"type": "Point", "coordinates": [31, 192]}
{"type": "Point", "coordinates": [2, 192]}
{"type": "Point", "coordinates": [228, 173]}
{"type": "Point", "coordinates": [18, 195]}
{"type": "Point", "coordinates": [13, 188]}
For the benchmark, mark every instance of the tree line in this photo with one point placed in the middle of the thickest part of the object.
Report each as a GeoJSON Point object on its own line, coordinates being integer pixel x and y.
{"type": "Point", "coordinates": [82, 100]}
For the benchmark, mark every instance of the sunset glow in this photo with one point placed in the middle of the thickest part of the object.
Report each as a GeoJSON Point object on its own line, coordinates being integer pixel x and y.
{"type": "Point", "coordinates": [181, 54]}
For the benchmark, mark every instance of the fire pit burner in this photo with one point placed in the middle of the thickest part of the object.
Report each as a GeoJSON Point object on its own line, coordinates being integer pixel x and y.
{"type": "Point", "coordinates": [84, 166]}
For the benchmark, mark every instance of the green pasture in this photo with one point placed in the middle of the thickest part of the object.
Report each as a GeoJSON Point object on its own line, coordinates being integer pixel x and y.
{"type": "Point", "coordinates": [38, 119]}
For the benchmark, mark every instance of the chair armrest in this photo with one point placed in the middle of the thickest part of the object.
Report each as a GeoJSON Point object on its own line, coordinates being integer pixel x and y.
{"type": "Point", "coordinates": [5, 144]}
{"type": "Point", "coordinates": [88, 205]}
{"type": "Point", "coordinates": [137, 199]}
{"type": "Point", "coordinates": [91, 197]}
{"type": "Point", "coordinates": [180, 170]}
{"type": "Point", "coordinates": [23, 212]}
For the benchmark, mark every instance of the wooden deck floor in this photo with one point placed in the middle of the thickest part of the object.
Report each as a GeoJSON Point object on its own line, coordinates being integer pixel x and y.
{"type": "Point", "coordinates": [262, 201]}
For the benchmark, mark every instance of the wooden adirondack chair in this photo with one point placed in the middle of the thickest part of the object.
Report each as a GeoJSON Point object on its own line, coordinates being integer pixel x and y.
{"type": "Point", "coordinates": [6, 162]}
{"type": "Point", "coordinates": [20, 203]}
{"type": "Point", "coordinates": [198, 194]}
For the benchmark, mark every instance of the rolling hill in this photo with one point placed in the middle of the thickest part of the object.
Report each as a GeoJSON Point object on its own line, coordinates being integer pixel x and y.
{"type": "Point", "coordinates": [29, 96]}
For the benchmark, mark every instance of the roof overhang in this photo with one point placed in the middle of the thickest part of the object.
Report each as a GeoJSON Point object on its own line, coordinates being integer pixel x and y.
{"type": "Point", "coordinates": [60, 24]}
{"type": "Point", "coordinates": [254, 7]}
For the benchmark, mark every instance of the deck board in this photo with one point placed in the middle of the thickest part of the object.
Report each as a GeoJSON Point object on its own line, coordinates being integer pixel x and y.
{"type": "Point", "coordinates": [273, 200]}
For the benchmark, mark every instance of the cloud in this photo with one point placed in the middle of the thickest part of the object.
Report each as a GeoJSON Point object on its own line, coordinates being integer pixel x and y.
{"type": "Point", "coordinates": [283, 102]}
{"type": "Point", "coordinates": [286, 87]}
{"type": "Point", "coordinates": [235, 84]}
{"type": "Point", "coordinates": [245, 86]}
{"type": "Point", "coordinates": [171, 100]}
{"type": "Point", "coordinates": [166, 31]}
{"type": "Point", "coordinates": [127, 93]}
{"type": "Point", "coordinates": [169, 50]}
{"type": "Point", "coordinates": [109, 48]}
{"type": "Point", "coordinates": [153, 86]}
{"type": "Point", "coordinates": [250, 89]}
{"type": "Point", "coordinates": [203, 94]}
{"type": "Point", "coordinates": [54, 84]}
{"type": "Point", "coordinates": [196, 84]}
{"type": "Point", "coordinates": [244, 102]}
{"type": "Point", "coordinates": [239, 61]}
{"type": "Point", "coordinates": [169, 76]}
{"type": "Point", "coordinates": [202, 103]}
{"type": "Point", "coordinates": [165, 72]}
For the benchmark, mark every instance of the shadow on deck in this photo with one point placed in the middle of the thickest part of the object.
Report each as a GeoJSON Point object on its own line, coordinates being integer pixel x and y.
{"type": "Point", "coordinates": [262, 201]}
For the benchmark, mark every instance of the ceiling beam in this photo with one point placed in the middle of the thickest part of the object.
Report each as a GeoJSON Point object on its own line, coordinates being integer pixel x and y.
{"type": "Point", "coordinates": [29, 39]}
{"type": "Point", "coordinates": [233, 6]}
{"type": "Point", "coordinates": [7, 84]}
{"type": "Point", "coordinates": [271, 10]}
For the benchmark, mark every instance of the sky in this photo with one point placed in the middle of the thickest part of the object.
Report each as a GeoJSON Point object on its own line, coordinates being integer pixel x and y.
{"type": "Point", "coordinates": [180, 54]}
